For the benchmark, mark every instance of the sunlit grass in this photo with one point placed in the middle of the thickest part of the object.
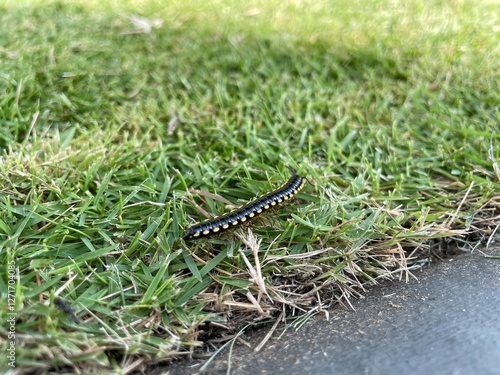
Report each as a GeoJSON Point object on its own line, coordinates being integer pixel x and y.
{"type": "Point", "coordinates": [109, 130]}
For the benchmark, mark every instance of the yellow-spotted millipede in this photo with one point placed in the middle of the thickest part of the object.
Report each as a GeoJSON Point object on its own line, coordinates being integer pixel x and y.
{"type": "Point", "coordinates": [246, 212]}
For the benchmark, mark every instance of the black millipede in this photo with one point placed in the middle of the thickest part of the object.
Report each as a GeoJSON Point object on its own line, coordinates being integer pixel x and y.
{"type": "Point", "coordinates": [246, 212]}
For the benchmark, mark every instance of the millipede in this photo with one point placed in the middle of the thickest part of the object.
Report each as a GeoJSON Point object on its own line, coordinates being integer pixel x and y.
{"type": "Point", "coordinates": [246, 212]}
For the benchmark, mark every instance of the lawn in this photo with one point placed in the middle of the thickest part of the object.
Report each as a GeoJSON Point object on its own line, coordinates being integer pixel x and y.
{"type": "Point", "coordinates": [122, 123]}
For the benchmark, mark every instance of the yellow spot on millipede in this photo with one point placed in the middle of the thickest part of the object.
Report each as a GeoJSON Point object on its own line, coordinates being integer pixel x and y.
{"type": "Point", "coordinates": [235, 222]}
{"type": "Point", "coordinates": [266, 207]}
{"type": "Point", "coordinates": [251, 215]}
{"type": "Point", "coordinates": [196, 235]}
{"type": "Point", "coordinates": [259, 210]}
{"type": "Point", "coordinates": [225, 226]}
{"type": "Point", "coordinates": [243, 219]}
{"type": "Point", "coordinates": [205, 232]}
{"type": "Point", "coordinates": [216, 230]}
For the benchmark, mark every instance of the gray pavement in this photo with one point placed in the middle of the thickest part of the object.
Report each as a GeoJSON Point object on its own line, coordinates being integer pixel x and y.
{"type": "Point", "coordinates": [447, 322]}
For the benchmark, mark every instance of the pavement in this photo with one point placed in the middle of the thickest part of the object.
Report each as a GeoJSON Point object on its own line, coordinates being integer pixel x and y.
{"type": "Point", "coordinates": [447, 322]}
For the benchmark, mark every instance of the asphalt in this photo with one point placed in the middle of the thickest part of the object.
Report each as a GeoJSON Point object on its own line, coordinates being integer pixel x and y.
{"type": "Point", "coordinates": [447, 322]}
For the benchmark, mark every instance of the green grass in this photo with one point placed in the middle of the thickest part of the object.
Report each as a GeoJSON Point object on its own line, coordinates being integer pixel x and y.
{"type": "Point", "coordinates": [391, 108]}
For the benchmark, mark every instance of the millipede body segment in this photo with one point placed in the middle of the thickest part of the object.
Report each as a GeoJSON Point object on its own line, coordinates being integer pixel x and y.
{"type": "Point", "coordinates": [246, 212]}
